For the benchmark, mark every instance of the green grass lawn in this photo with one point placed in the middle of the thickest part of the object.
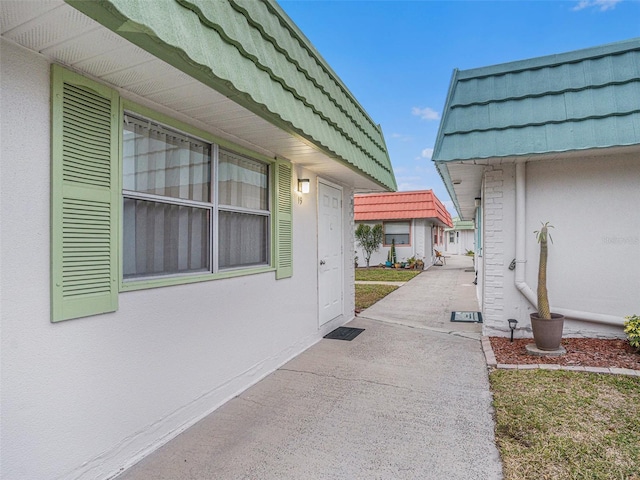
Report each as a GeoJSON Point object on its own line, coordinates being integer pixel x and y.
{"type": "Point", "coordinates": [385, 274]}
{"type": "Point", "coordinates": [567, 425]}
{"type": "Point", "coordinates": [367, 295]}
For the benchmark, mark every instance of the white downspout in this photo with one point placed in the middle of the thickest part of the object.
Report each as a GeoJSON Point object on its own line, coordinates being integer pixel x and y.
{"type": "Point", "coordinates": [521, 240]}
{"type": "Point", "coordinates": [521, 261]}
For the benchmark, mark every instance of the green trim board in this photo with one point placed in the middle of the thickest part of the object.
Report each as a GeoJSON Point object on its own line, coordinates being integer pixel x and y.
{"type": "Point", "coordinates": [86, 231]}
{"type": "Point", "coordinates": [251, 52]}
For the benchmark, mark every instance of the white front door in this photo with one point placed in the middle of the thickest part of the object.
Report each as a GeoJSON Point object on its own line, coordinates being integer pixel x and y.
{"type": "Point", "coordinates": [329, 252]}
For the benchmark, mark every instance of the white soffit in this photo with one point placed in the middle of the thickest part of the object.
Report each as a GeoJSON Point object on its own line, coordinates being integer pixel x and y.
{"type": "Point", "coordinates": [467, 183]}
{"type": "Point", "coordinates": [63, 35]}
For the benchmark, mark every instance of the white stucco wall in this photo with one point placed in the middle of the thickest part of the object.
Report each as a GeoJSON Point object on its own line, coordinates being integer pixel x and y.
{"type": "Point", "coordinates": [83, 398]}
{"type": "Point", "coordinates": [420, 245]}
{"type": "Point", "coordinates": [593, 262]}
{"type": "Point", "coordinates": [463, 241]}
{"type": "Point", "coordinates": [423, 243]}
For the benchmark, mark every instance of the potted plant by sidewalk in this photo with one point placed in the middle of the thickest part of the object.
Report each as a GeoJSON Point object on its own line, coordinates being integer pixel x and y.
{"type": "Point", "coordinates": [547, 327]}
{"type": "Point", "coordinates": [391, 256]}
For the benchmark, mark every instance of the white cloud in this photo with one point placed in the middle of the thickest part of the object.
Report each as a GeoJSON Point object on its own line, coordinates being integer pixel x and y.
{"type": "Point", "coordinates": [425, 113]}
{"type": "Point", "coordinates": [427, 153]}
{"type": "Point", "coordinates": [402, 137]}
{"type": "Point", "coordinates": [602, 5]}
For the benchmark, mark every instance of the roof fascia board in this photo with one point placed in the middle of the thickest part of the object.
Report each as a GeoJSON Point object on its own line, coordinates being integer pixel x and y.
{"type": "Point", "coordinates": [441, 167]}
{"type": "Point", "coordinates": [445, 114]}
{"type": "Point", "coordinates": [534, 156]}
{"type": "Point", "coordinates": [550, 61]}
{"type": "Point", "coordinates": [443, 170]}
{"type": "Point", "coordinates": [307, 127]}
{"type": "Point", "coordinates": [273, 6]}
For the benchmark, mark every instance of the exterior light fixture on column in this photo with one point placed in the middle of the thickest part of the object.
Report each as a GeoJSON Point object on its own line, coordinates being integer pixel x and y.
{"type": "Point", "coordinates": [478, 201]}
{"type": "Point", "coordinates": [303, 185]}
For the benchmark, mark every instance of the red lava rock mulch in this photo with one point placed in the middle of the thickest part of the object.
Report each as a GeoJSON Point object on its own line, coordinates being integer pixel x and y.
{"type": "Point", "coordinates": [584, 352]}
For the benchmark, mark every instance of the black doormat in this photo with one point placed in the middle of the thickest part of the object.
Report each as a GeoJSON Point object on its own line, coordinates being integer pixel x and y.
{"type": "Point", "coordinates": [470, 317]}
{"type": "Point", "coordinates": [344, 333]}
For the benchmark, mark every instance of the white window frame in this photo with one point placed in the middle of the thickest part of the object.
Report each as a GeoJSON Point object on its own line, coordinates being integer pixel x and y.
{"type": "Point", "coordinates": [407, 222]}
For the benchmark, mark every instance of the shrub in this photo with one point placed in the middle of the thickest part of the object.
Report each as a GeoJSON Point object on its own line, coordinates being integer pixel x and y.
{"type": "Point", "coordinates": [369, 239]}
{"type": "Point", "coordinates": [632, 329]}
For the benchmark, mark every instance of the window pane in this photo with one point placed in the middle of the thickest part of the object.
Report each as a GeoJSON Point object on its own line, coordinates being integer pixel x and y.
{"type": "Point", "coordinates": [398, 231]}
{"type": "Point", "coordinates": [242, 182]}
{"type": "Point", "coordinates": [243, 239]}
{"type": "Point", "coordinates": [162, 162]}
{"type": "Point", "coordinates": [396, 227]}
{"type": "Point", "coordinates": [399, 238]}
{"type": "Point", "coordinates": [161, 238]}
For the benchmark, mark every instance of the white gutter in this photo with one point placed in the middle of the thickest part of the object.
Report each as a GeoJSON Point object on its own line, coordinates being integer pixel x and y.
{"type": "Point", "coordinates": [521, 261]}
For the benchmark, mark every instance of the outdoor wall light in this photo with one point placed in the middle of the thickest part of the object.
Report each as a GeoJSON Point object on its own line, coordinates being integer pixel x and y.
{"type": "Point", "coordinates": [478, 201]}
{"type": "Point", "coordinates": [303, 185]}
{"type": "Point", "coordinates": [512, 325]}
{"type": "Point", "coordinates": [457, 182]}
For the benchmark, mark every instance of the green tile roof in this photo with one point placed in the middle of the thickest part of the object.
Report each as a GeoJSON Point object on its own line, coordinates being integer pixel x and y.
{"type": "Point", "coordinates": [463, 224]}
{"type": "Point", "coordinates": [252, 52]}
{"type": "Point", "coordinates": [574, 101]}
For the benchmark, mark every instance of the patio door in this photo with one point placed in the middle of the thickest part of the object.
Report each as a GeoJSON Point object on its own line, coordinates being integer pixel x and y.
{"type": "Point", "coordinates": [330, 238]}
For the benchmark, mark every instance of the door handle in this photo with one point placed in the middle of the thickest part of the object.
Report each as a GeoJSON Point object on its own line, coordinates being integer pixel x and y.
{"type": "Point", "coordinates": [322, 262]}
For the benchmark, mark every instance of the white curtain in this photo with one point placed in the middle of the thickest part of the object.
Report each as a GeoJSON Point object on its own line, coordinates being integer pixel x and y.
{"type": "Point", "coordinates": [161, 237]}
{"type": "Point", "coordinates": [163, 162]}
{"type": "Point", "coordinates": [242, 182]}
{"type": "Point", "coordinates": [242, 237]}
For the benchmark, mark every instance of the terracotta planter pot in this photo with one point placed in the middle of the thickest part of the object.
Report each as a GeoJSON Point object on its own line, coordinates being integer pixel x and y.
{"type": "Point", "coordinates": [547, 333]}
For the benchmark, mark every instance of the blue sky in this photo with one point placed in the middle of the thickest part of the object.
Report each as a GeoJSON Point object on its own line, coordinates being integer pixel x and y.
{"type": "Point", "coordinates": [397, 56]}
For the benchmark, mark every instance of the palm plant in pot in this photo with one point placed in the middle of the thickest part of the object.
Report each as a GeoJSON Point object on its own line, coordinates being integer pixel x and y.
{"type": "Point", "coordinates": [546, 326]}
{"type": "Point", "coordinates": [391, 256]}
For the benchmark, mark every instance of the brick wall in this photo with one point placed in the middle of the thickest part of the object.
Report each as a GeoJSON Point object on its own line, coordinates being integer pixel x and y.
{"type": "Point", "coordinates": [493, 251]}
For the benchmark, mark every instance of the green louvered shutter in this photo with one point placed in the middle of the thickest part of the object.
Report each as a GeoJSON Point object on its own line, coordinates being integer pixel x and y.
{"type": "Point", "coordinates": [284, 221]}
{"type": "Point", "coordinates": [84, 198]}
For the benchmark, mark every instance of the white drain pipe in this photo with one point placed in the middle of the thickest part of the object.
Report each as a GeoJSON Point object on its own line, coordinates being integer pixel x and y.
{"type": "Point", "coordinates": [520, 277]}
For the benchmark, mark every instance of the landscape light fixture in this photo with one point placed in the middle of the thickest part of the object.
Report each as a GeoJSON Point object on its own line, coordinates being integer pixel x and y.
{"type": "Point", "coordinates": [303, 185]}
{"type": "Point", "coordinates": [512, 325]}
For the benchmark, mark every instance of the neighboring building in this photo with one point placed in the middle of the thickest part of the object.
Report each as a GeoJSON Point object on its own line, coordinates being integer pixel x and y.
{"type": "Point", "coordinates": [157, 256]}
{"type": "Point", "coordinates": [552, 139]}
{"type": "Point", "coordinates": [415, 220]}
{"type": "Point", "coordinates": [461, 238]}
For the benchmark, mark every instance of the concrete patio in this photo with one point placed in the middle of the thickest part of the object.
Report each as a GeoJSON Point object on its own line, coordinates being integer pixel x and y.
{"type": "Point", "coordinates": [407, 399]}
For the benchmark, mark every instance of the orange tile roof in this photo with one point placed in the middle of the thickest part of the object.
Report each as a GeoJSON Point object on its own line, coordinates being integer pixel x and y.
{"type": "Point", "coordinates": [401, 206]}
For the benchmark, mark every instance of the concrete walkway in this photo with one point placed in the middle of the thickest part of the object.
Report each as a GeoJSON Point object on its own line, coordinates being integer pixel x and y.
{"type": "Point", "coordinates": [407, 399]}
{"type": "Point", "coordinates": [428, 299]}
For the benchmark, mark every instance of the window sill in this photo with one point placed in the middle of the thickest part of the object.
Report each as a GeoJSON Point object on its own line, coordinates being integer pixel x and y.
{"type": "Point", "coordinates": [131, 285]}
